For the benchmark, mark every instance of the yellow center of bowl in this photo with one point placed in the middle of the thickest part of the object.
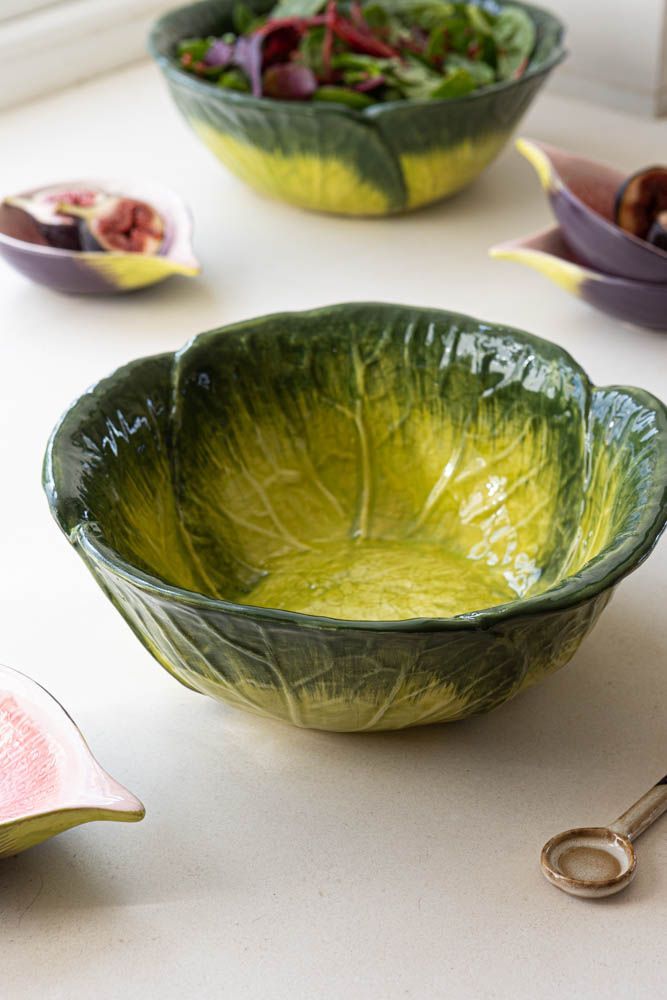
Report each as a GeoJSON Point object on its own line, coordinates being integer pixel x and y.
{"type": "Point", "coordinates": [379, 580]}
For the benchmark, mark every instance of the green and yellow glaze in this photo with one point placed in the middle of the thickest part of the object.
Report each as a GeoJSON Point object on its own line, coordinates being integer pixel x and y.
{"type": "Point", "coordinates": [438, 173]}
{"type": "Point", "coordinates": [364, 517]}
{"type": "Point", "coordinates": [20, 835]}
{"type": "Point", "coordinates": [560, 270]}
{"type": "Point", "coordinates": [541, 163]}
{"type": "Point", "coordinates": [388, 158]}
{"type": "Point", "coordinates": [306, 179]}
{"type": "Point", "coordinates": [129, 271]}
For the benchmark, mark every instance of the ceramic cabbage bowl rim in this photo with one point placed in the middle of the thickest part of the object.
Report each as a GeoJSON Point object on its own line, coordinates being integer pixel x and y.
{"type": "Point", "coordinates": [307, 108]}
{"type": "Point", "coordinates": [599, 574]}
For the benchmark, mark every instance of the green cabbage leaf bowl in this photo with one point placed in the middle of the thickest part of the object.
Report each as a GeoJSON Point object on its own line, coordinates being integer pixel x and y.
{"type": "Point", "coordinates": [363, 517]}
{"type": "Point", "coordinates": [388, 158]}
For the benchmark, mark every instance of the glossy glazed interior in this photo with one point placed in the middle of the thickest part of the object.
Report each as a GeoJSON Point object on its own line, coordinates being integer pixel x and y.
{"type": "Point", "coordinates": [365, 462]}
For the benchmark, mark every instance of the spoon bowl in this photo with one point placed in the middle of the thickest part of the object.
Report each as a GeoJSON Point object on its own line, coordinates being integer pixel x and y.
{"type": "Point", "coordinates": [589, 861]}
{"type": "Point", "coordinates": [597, 861]}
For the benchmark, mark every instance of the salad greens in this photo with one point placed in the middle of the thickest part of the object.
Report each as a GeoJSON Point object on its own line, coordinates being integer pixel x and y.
{"type": "Point", "coordinates": [361, 54]}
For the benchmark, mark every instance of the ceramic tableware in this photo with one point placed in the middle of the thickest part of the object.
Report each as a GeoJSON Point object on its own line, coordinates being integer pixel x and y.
{"type": "Point", "coordinates": [363, 517]}
{"type": "Point", "coordinates": [638, 302]}
{"type": "Point", "coordinates": [387, 158]}
{"type": "Point", "coordinates": [599, 861]}
{"type": "Point", "coordinates": [49, 780]}
{"type": "Point", "coordinates": [582, 194]}
{"type": "Point", "coordinates": [96, 272]}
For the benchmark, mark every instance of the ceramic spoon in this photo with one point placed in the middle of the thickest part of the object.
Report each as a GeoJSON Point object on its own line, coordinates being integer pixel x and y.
{"type": "Point", "coordinates": [598, 861]}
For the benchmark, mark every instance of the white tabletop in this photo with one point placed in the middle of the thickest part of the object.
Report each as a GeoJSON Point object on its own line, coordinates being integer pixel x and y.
{"type": "Point", "coordinates": [278, 863]}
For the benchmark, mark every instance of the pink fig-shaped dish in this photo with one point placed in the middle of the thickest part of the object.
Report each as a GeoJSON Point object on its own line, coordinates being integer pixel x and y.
{"type": "Point", "coordinates": [49, 780]}
{"type": "Point", "coordinates": [97, 236]}
{"type": "Point", "coordinates": [640, 302]}
{"type": "Point", "coordinates": [583, 196]}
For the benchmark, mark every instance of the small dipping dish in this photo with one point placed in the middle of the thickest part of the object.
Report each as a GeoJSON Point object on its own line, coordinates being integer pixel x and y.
{"type": "Point", "coordinates": [599, 861]}
{"type": "Point", "coordinates": [47, 246]}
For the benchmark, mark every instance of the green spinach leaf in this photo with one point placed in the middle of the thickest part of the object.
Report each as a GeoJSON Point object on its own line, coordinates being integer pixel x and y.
{"type": "Point", "coordinates": [297, 8]}
{"type": "Point", "coordinates": [457, 83]}
{"type": "Point", "coordinates": [481, 72]}
{"type": "Point", "coordinates": [514, 34]}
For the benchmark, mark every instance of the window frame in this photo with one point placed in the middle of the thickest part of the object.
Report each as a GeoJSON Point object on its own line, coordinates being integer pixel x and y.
{"type": "Point", "coordinates": [71, 40]}
{"type": "Point", "coordinates": [19, 8]}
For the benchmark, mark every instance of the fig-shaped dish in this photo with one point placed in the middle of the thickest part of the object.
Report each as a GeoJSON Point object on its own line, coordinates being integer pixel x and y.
{"type": "Point", "coordinates": [387, 158]}
{"type": "Point", "coordinates": [97, 236]}
{"type": "Point", "coordinates": [50, 780]}
{"type": "Point", "coordinates": [363, 517]}
{"type": "Point", "coordinates": [583, 195]}
{"type": "Point", "coordinates": [642, 303]}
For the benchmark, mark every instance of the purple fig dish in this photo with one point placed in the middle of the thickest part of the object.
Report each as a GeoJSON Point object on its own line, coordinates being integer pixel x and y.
{"type": "Point", "coordinates": [643, 303]}
{"type": "Point", "coordinates": [87, 237]}
{"type": "Point", "coordinates": [613, 223]}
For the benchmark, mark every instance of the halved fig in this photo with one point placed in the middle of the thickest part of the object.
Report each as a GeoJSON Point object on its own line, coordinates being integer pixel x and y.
{"type": "Point", "coordinates": [657, 234]}
{"type": "Point", "coordinates": [118, 224]}
{"type": "Point", "coordinates": [37, 217]}
{"type": "Point", "coordinates": [639, 202]}
{"type": "Point", "coordinates": [50, 781]}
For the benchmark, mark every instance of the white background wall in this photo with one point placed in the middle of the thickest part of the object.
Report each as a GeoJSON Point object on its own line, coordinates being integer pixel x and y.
{"type": "Point", "coordinates": [618, 52]}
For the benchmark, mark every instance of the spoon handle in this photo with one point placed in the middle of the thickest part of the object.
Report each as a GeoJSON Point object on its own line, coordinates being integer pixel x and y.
{"type": "Point", "coordinates": [645, 811]}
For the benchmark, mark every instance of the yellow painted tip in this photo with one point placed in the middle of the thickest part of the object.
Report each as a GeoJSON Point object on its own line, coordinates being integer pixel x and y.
{"type": "Point", "coordinates": [562, 272]}
{"type": "Point", "coordinates": [500, 252]}
{"type": "Point", "coordinates": [128, 271]}
{"type": "Point", "coordinates": [189, 270]}
{"type": "Point", "coordinates": [539, 160]}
